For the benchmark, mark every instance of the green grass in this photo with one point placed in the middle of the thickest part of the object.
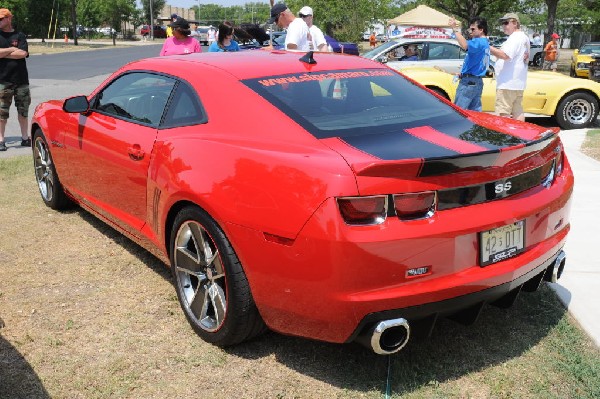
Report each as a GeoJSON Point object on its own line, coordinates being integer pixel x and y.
{"type": "Point", "coordinates": [591, 144]}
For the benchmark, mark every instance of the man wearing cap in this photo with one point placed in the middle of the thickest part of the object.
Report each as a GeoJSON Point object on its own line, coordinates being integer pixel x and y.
{"type": "Point", "coordinates": [318, 42]}
{"type": "Point", "coordinates": [298, 35]}
{"type": "Point", "coordinates": [470, 86]}
{"type": "Point", "coordinates": [511, 68]}
{"type": "Point", "coordinates": [551, 54]}
{"type": "Point", "coordinates": [169, 29]}
{"type": "Point", "coordinates": [14, 79]}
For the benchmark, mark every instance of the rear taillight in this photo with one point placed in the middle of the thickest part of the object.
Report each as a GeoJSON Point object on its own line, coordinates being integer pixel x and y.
{"type": "Point", "coordinates": [363, 210]}
{"type": "Point", "coordinates": [415, 205]}
{"type": "Point", "coordinates": [554, 169]}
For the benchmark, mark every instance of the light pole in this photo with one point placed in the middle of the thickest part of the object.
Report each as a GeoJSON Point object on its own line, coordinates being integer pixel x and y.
{"type": "Point", "coordinates": [151, 22]}
{"type": "Point", "coordinates": [198, 16]}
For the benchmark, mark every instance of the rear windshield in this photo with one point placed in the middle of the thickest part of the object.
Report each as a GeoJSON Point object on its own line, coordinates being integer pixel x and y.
{"type": "Point", "coordinates": [352, 103]}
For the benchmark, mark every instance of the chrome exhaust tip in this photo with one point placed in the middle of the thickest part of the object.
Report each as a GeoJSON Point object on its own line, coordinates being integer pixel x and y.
{"type": "Point", "coordinates": [556, 269]}
{"type": "Point", "coordinates": [387, 337]}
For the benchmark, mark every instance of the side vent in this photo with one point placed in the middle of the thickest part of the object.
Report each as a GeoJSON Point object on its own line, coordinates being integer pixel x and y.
{"type": "Point", "coordinates": [155, 202]}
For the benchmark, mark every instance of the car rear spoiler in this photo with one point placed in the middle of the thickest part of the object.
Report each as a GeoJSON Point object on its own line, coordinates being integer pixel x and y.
{"type": "Point", "coordinates": [426, 167]}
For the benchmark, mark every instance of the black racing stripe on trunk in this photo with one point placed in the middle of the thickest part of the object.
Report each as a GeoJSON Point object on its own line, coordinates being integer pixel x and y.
{"type": "Point", "coordinates": [397, 146]}
{"type": "Point", "coordinates": [468, 131]}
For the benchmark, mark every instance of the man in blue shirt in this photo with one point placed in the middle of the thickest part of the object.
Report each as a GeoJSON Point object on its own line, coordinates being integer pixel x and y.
{"type": "Point", "coordinates": [468, 93]}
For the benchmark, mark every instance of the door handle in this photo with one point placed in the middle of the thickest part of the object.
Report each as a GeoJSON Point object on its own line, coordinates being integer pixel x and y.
{"type": "Point", "coordinates": [135, 152]}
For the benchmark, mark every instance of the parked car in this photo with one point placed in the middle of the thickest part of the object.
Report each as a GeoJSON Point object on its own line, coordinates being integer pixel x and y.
{"type": "Point", "coordinates": [201, 34]}
{"type": "Point", "coordinates": [572, 102]}
{"type": "Point", "coordinates": [159, 31]}
{"type": "Point", "coordinates": [581, 58]}
{"type": "Point", "coordinates": [444, 53]}
{"type": "Point", "coordinates": [594, 71]}
{"type": "Point", "coordinates": [346, 203]}
{"type": "Point", "coordinates": [536, 53]}
{"type": "Point", "coordinates": [107, 31]}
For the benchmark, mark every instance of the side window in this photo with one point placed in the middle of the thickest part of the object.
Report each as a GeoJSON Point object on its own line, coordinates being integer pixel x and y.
{"type": "Point", "coordinates": [185, 108]}
{"type": "Point", "coordinates": [139, 97]}
{"type": "Point", "coordinates": [443, 51]}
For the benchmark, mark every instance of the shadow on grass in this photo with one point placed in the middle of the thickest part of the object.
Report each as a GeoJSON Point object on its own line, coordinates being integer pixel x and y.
{"type": "Point", "coordinates": [17, 378]}
{"type": "Point", "coordinates": [133, 248]}
{"type": "Point", "coordinates": [451, 352]}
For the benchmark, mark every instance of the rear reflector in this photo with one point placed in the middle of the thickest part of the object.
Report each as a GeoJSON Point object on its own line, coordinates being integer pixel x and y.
{"type": "Point", "coordinates": [415, 205]}
{"type": "Point", "coordinates": [363, 210]}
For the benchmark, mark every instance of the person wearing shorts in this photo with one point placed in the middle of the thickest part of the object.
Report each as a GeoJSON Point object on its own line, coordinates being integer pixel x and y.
{"type": "Point", "coordinates": [14, 79]}
{"type": "Point", "coordinates": [511, 68]}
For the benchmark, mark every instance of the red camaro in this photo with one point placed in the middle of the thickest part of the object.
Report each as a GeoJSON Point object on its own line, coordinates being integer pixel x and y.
{"type": "Point", "coordinates": [345, 203]}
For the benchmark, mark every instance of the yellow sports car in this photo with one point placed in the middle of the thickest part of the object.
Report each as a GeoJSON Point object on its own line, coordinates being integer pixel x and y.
{"type": "Point", "coordinates": [573, 102]}
{"type": "Point", "coordinates": [580, 60]}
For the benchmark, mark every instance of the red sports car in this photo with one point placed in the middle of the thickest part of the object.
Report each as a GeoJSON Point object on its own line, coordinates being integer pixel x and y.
{"type": "Point", "coordinates": [346, 203]}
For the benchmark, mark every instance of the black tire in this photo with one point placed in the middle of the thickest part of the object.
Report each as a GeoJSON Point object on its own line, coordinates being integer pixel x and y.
{"type": "Point", "coordinates": [439, 91]}
{"type": "Point", "coordinates": [538, 60]}
{"type": "Point", "coordinates": [577, 111]}
{"type": "Point", "coordinates": [51, 190]}
{"type": "Point", "coordinates": [211, 285]}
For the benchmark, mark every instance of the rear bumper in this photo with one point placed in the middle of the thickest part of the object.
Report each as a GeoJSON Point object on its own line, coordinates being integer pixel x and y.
{"type": "Point", "coordinates": [465, 308]}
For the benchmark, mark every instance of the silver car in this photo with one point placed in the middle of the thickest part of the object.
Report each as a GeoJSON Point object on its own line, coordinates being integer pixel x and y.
{"type": "Point", "coordinates": [443, 53]}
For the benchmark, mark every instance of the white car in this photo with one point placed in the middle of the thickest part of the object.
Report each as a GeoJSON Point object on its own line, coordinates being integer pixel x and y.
{"type": "Point", "coordinates": [106, 31]}
{"type": "Point", "coordinates": [443, 53]}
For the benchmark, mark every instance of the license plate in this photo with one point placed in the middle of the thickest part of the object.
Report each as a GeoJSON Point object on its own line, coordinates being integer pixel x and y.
{"type": "Point", "coordinates": [597, 72]}
{"type": "Point", "coordinates": [501, 243]}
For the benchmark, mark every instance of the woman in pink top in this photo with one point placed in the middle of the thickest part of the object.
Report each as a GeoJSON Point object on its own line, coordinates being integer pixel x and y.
{"type": "Point", "coordinates": [181, 42]}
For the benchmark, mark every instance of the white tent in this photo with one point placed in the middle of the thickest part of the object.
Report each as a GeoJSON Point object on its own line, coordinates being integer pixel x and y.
{"type": "Point", "coordinates": [422, 16]}
{"type": "Point", "coordinates": [421, 22]}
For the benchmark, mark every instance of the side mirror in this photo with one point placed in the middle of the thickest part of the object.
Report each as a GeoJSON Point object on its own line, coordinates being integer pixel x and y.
{"type": "Point", "coordinates": [78, 104]}
{"type": "Point", "coordinates": [383, 59]}
{"type": "Point", "coordinates": [575, 52]}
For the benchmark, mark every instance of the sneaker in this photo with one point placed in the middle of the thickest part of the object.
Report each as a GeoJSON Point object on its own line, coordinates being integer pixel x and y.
{"type": "Point", "coordinates": [2, 146]}
{"type": "Point", "coordinates": [26, 143]}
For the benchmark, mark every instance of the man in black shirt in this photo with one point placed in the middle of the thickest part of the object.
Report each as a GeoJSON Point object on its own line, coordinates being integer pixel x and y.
{"type": "Point", "coordinates": [14, 80]}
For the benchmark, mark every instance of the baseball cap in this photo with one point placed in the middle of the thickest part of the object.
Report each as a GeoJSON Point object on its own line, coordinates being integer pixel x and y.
{"type": "Point", "coordinates": [276, 10]}
{"type": "Point", "coordinates": [305, 11]}
{"type": "Point", "coordinates": [510, 15]}
{"type": "Point", "coordinates": [180, 23]}
{"type": "Point", "coordinates": [555, 36]}
{"type": "Point", "coordinates": [5, 12]}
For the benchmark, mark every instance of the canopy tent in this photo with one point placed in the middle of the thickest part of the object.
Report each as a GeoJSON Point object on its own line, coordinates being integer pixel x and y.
{"type": "Point", "coordinates": [421, 16]}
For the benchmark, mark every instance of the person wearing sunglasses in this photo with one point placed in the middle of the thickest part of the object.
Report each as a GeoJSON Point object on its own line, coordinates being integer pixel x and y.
{"type": "Point", "coordinates": [511, 68]}
{"type": "Point", "coordinates": [298, 37]}
{"type": "Point", "coordinates": [14, 78]}
{"type": "Point", "coordinates": [225, 40]}
{"type": "Point", "coordinates": [475, 65]}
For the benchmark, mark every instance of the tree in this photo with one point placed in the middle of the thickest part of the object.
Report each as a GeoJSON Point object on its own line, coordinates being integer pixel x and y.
{"type": "Point", "coordinates": [333, 17]}
{"type": "Point", "coordinates": [88, 13]}
{"type": "Point", "coordinates": [114, 12]}
{"type": "Point", "coordinates": [157, 6]}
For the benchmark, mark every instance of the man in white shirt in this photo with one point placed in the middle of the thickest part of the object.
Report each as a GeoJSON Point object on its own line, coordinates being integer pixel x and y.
{"type": "Point", "coordinates": [318, 42]}
{"type": "Point", "coordinates": [298, 36]}
{"type": "Point", "coordinates": [212, 35]}
{"type": "Point", "coordinates": [511, 68]}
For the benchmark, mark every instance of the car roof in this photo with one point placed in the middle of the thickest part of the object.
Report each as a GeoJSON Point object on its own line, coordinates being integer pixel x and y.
{"type": "Point", "coordinates": [254, 63]}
